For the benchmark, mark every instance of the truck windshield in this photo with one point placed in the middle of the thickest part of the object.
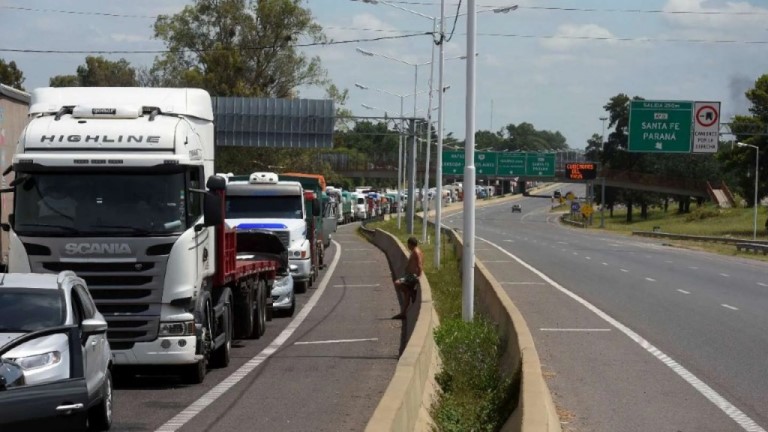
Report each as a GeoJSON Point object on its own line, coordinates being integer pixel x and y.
{"type": "Point", "coordinates": [263, 207]}
{"type": "Point", "coordinates": [100, 204]}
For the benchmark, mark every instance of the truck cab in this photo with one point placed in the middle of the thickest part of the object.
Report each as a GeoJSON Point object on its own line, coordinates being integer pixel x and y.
{"type": "Point", "coordinates": [261, 201]}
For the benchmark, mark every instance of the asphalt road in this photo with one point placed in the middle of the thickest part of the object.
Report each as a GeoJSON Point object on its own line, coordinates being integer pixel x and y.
{"type": "Point", "coordinates": [634, 335]}
{"type": "Point", "coordinates": [324, 369]}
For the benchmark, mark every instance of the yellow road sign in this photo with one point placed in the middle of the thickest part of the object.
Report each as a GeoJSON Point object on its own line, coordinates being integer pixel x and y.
{"type": "Point", "coordinates": [586, 210]}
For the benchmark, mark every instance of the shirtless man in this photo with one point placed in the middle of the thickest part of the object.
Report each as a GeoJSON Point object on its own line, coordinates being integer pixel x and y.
{"type": "Point", "coordinates": [407, 284]}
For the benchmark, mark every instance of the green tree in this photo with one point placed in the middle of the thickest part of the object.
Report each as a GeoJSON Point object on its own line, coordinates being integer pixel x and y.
{"type": "Point", "coordinates": [99, 72]}
{"type": "Point", "coordinates": [740, 161]}
{"type": "Point", "coordinates": [239, 48]}
{"type": "Point", "coordinates": [11, 75]}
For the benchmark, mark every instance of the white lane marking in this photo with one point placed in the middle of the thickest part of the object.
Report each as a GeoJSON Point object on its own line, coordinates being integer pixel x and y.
{"type": "Point", "coordinates": [335, 341]}
{"type": "Point", "coordinates": [510, 241]}
{"type": "Point", "coordinates": [589, 258]}
{"type": "Point", "coordinates": [624, 270]}
{"type": "Point", "coordinates": [614, 245]}
{"type": "Point", "coordinates": [359, 249]}
{"type": "Point", "coordinates": [209, 397]}
{"type": "Point", "coordinates": [723, 404]}
{"type": "Point", "coordinates": [605, 264]}
{"type": "Point", "coordinates": [575, 253]}
{"type": "Point", "coordinates": [693, 268]}
{"type": "Point", "coordinates": [576, 329]}
{"type": "Point", "coordinates": [497, 261]}
{"type": "Point", "coordinates": [650, 279]}
{"type": "Point", "coordinates": [359, 262]}
{"type": "Point", "coordinates": [563, 250]}
{"type": "Point", "coordinates": [522, 283]}
{"type": "Point", "coordinates": [668, 262]}
{"type": "Point", "coordinates": [724, 275]}
{"type": "Point", "coordinates": [356, 286]}
{"type": "Point", "coordinates": [729, 307]}
{"type": "Point", "coordinates": [684, 291]}
{"type": "Point", "coordinates": [762, 284]}
{"type": "Point", "coordinates": [562, 243]}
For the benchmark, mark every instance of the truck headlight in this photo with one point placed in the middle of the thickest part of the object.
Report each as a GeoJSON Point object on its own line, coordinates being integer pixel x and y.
{"type": "Point", "coordinates": [39, 360]}
{"type": "Point", "coordinates": [179, 328]}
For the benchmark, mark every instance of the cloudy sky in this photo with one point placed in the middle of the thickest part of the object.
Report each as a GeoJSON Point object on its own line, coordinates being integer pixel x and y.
{"type": "Point", "coordinates": [544, 63]}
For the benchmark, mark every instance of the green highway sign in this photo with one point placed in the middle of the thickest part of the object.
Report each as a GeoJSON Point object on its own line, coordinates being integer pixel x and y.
{"type": "Point", "coordinates": [502, 164]}
{"type": "Point", "coordinates": [485, 163]}
{"type": "Point", "coordinates": [660, 126]}
{"type": "Point", "coordinates": [540, 165]}
{"type": "Point", "coordinates": [511, 164]}
{"type": "Point", "coordinates": [453, 162]}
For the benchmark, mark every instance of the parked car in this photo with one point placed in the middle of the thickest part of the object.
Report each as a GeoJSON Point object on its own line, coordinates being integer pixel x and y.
{"type": "Point", "coordinates": [53, 336]}
{"type": "Point", "coordinates": [283, 295]}
{"type": "Point", "coordinates": [517, 208]}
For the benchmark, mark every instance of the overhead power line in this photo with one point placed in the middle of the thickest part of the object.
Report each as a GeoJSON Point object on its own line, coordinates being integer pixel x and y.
{"type": "Point", "coordinates": [255, 48]}
{"type": "Point", "coordinates": [422, 3]}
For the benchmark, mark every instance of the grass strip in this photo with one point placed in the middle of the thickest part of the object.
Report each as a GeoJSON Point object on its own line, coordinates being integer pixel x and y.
{"type": "Point", "coordinates": [473, 393]}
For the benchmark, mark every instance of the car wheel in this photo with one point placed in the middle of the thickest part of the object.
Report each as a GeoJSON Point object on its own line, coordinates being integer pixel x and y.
{"type": "Point", "coordinates": [100, 417]}
{"type": "Point", "coordinates": [194, 373]}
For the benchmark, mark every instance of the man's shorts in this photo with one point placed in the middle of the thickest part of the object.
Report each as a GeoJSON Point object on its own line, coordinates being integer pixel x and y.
{"type": "Point", "coordinates": [409, 280]}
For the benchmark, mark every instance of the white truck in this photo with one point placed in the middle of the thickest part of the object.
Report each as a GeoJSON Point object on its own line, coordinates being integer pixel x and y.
{"type": "Point", "coordinates": [110, 184]}
{"type": "Point", "coordinates": [261, 201]}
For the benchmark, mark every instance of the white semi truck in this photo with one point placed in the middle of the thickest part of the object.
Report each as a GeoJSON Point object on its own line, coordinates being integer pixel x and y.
{"type": "Point", "coordinates": [261, 201]}
{"type": "Point", "coordinates": [110, 183]}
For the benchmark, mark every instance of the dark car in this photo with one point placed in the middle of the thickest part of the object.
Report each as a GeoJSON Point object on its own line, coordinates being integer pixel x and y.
{"type": "Point", "coordinates": [517, 208]}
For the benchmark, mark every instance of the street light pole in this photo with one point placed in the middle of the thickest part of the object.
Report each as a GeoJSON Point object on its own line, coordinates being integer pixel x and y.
{"type": "Point", "coordinates": [439, 164]}
{"type": "Point", "coordinates": [468, 254]}
{"type": "Point", "coordinates": [602, 137]}
{"type": "Point", "coordinates": [757, 167]}
{"type": "Point", "coordinates": [425, 199]}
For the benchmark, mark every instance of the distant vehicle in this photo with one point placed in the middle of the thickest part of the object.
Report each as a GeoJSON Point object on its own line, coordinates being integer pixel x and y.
{"type": "Point", "coordinates": [517, 208]}
{"type": "Point", "coordinates": [557, 194]}
{"type": "Point", "coordinates": [55, 345]}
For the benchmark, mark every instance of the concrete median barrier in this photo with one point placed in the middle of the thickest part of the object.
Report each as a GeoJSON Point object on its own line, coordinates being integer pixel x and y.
{"type": "Point", "coordinates": [406, 401]}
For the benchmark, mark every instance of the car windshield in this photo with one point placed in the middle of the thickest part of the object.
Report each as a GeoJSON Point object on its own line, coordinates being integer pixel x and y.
{"type": "Point", "coordinates": [100, 204]}
{"type": "Point", "coordinates": [263, 207]}
{"type": "Point", "coordinates": [28, 310]}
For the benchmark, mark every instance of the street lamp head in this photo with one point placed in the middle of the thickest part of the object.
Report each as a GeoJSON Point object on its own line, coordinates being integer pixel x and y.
{"type": "Point", "coordinates": [361, 86]}
{"type": "Point", "coordinates": [603, 118]}
{"type": "Point", "coordinates": [364, 52]}
{"type": "Point", "coordinates": [506, 9]}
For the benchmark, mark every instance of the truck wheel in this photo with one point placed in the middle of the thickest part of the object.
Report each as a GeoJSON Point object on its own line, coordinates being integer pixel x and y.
{"type": "Point", "coordinates": [300, 287]}
{"type": "Point", "coordinates": [220, 357]}
{"type": "Point", "coordinates": [244, 315]}
{"type": "Point", "coordinates": [261, 307]}
{"type": "Point", "coordinates": [195, 373]}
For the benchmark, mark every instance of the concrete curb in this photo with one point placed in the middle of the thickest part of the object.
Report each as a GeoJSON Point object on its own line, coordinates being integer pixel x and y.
{"type": "Point", "coordinates": [406, 401]}
{"type": "Point", "coordinates": [536, 410]}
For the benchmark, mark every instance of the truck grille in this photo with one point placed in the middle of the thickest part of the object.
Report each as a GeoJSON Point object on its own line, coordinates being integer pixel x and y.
{"type": "Point", "coordinates": [284, 236]}
{"type": "Point", "coordinates": [127, 293]}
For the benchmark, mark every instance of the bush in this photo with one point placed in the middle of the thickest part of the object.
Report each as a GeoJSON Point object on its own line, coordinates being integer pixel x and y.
{"type": "Point", "coordinates": [702, 213]}
{"type": "Point", "coordinates": [473, 395]}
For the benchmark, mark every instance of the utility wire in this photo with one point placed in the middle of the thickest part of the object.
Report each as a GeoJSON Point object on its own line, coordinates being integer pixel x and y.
{"type": "Point", "coordinates": [543, 8]}
{"type": "Point", "coordinates": [455, 20]}
{"type": "Point", "coordinates": [255, 48]}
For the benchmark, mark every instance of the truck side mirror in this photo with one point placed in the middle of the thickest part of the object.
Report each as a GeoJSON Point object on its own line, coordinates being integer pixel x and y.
{"type": "Point", "coordinates": [212, 209]}
{"type": "Point", "coordinates": [316, 210]}
{"type": "Point", "coordinates": [216, 183]}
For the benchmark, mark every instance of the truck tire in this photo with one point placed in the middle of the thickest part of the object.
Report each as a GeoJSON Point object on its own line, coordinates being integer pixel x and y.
{"type": "Point", "coordinates": [220, 357]}
{"type": "Point", "coordinates": [195, 373]}
{"type": "Point", "coordinates": [301, 287]}
{"type": "Point", "coordinates": [244, 315]}
{"type": "Point", "coordinates": [261, 310]}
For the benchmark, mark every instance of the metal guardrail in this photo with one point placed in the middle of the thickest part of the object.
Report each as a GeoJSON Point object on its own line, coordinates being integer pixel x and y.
{"type": "Point", "coordinates": [711, 239]}
{"type": "Point", "coordinates": [753, 247]}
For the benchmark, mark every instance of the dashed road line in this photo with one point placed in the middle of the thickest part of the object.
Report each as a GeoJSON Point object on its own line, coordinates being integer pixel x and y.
{"type": "Point", "coordinates": [624, 270]}
{"type": "Point", "coordinates": [605, 264]}
{"type": "Point", "coordinates": [335, 341]}
{"type": "Point", "coordinates": [356, 286]}
{"type": "Point", "coordinates": [762, 284]}
{"type": "Point", "coordinates": [668, 262]}
{"type": "Point", "coordinates": [693, 268]}
{"type": "Point", "coordinates": [724, 275]}
{"type": "Point", "coordinates": [729, 307]}
{"type": "Point", "coordinates": [713, 396]}
{"type": "Point", "coordinates": [650, 279]}
{"type": "Point", "coordinates": [522, 283]}
{"type": "Point", "coordinates": [219, 389]}
{"type": "Point", "coordinates": [575, 253]}
{"type": "Point", "coordinates": [576, 329]}
{"type": "Point", "coordinates": [589, 258]}
{"type": "Point", "coordinates": [684, 291]}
